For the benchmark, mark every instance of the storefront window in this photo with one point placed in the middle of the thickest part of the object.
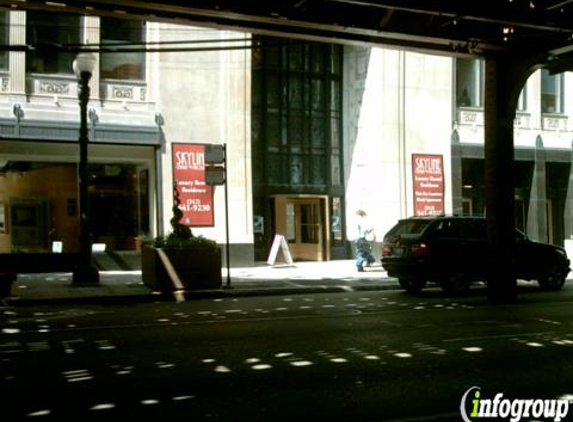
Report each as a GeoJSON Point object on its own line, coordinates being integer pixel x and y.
{"type": "Point", "coordinates": [42, 213]}
{"type": "Point", "coordinates": [128, 34]}
{"type": "Point", "coordinates": [336, 220]}
{"type": "Point", "coordinates": [551, 92]}
{"type": "Point", "coordinates": [290, 220]}
{"type": "Point", "coordinates": [469, 82]}
{"type": "Point", "coordinates": [44, 31]}
{"type": "Point", "coordinates": [4, 39]}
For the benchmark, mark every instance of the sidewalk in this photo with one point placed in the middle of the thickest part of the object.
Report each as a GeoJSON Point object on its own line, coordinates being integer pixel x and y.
{"type": "Point", "coordinates": [261, 279]}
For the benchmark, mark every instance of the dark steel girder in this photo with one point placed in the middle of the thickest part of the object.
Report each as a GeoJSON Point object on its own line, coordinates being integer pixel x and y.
{"type": "Point", "coordinates": [522, 27]}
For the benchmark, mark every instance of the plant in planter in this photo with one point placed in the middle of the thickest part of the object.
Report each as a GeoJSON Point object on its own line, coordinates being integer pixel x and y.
{"type": "Point", "coordinates": [196, 260]}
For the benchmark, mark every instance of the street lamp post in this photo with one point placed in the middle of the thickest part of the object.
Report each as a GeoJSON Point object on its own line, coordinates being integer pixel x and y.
{"type": "Point", "coordinates": [85, 272]}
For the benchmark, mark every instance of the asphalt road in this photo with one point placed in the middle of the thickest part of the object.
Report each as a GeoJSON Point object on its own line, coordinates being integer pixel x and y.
{"type": "Point", "coordinates": [356, 356]}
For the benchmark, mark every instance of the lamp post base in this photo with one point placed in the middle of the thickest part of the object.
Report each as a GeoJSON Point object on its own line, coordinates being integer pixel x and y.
{"type": "Point", "coordinates": [85, 275]}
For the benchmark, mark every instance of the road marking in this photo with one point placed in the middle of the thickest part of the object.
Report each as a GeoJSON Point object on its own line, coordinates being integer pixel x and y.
{"type": "Point", "coordinates": [11, 347]}
{"type": "Point", "coordinates": [103, 406]}
{"type": "Point", "coordinates": [472, 349]}
{"type": "Point", "coordinates": [301, 363]}
{"type": "Point", "coordinates": [67, 344]}
{"type": "Point", "coordinates": [104, 345]}
{"type": "Point", "coordinates": [77, 375]}
{"type": "Point", "coordinates": [38, 346]}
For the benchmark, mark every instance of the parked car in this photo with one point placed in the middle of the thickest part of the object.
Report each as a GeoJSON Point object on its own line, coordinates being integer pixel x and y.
{"type": "Point", "coordinates": [452, 251]}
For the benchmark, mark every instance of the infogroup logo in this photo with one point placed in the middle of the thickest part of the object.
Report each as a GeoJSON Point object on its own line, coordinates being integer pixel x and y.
{"type": "Point", "coordinates": [473, 407]}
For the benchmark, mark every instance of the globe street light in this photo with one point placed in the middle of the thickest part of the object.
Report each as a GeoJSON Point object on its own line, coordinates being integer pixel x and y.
{"type": "Point", "coordinates": [85, 272]}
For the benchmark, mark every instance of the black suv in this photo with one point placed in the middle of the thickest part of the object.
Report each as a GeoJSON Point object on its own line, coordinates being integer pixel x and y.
{"type": "Point", "coordinates": [451, 251]}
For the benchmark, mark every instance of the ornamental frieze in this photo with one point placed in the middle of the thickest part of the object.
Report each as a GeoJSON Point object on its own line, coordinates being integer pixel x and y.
{"type": "Point", "coordinates": [51, 87]}
{"type": "Point", "coordinates": [122, 93]}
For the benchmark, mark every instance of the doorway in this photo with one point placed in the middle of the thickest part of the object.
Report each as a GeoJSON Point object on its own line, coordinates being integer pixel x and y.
{"type": "Point", "coordinates": [302, 220]}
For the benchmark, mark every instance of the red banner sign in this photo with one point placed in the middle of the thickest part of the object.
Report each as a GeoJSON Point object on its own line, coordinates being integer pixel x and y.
{"type": "Point", "coordinates": [189, 176]}
{"type": "Point", "coordinates": [428, 178]}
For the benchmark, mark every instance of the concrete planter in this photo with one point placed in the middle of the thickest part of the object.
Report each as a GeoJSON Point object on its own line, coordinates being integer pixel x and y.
{"type": "Point", "coordinates": [197, 267]}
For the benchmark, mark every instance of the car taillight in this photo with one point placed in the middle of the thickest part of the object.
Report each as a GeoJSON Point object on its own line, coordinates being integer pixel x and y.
{"type": "Point", "coordinates": [419, 250]}
{"type": "Point", "coordinates": [386, 251]}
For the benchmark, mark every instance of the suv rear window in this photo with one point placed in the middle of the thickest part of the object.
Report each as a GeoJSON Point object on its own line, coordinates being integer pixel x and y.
{"type": "Point", "coordinates": [409, 227]}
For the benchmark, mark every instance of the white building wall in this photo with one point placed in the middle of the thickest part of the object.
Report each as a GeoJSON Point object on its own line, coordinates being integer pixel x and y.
{"type": "Point", "coordinates": [204, 97]}
{"type": "Point", "coordinates": [396, 104]}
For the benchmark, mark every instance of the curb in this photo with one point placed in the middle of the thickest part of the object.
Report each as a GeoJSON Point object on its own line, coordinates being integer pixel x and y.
{"type": "Point", "coordinates": [190, 295]}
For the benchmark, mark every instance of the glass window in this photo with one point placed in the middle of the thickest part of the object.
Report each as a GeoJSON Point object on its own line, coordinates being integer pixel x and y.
{"type": "Point", "coordinates": [4, 39]}
{"type": "Point", "coordinates": [309, 223]}
{"type": "Point", "coordinates": [336, 219]}
{"type": "Point", "coordinates": [291, 218]}
{"type": "Point", "coordinates": [551, 92]}
{"type": "Point", "coordinates": [469, 82]}
{"type": "Point", "coordinates": [44, 32]}
{"type": "Point", "coordinates": [299, 112]}
{"type": "Point", "coordinates": [46, 212]}
{"type": "Point", "coordinates": [122, 65]}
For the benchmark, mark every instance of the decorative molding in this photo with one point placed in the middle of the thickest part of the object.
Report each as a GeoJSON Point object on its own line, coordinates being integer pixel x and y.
{"type": "Point", "coordinates": [17, 111]}
{"type": "Point", "coordinates": [471, 117]}
{"type": "Point", "coordinates": [522, 121]}
{"type": "Point", "coordinates": [51, 87]}
{"type": "Point", "coordinates": [122, 92]}
{"type": "Point", "coordinates": [5, 84]}
{"type": "Point", "coordinates": [554, 123]}
{"type": "Point", "coordinates": [476, 118]}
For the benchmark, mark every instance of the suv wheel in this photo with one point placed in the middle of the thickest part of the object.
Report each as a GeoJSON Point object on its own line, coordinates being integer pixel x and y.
{"type": "Point", "coordinates": [456, 284]}
{"type": "Point", "coordinates": [412, 285]}
{"type": "Point", "coordinates": [553, 280]}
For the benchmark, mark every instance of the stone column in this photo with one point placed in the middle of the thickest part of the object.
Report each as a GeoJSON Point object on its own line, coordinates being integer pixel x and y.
{"type": "Point", "coordinates": [504, 79]}
{"type": "Point", "coordinates": [457, 188]}
{"type": "Point", "coordinates": [568, 213]}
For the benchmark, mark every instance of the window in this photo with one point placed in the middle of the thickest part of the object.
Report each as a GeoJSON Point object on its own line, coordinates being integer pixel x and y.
{"type": "Point", "coordinates": [297, 91]}
{"type": "Point", "coordinates": [336, 220]}
{"type": "Point", "coordinates": [122, 65]}
{"type": "Point", "coordinates": [4, 39]}
{"type": "Point", "coordinates": [469, 82]}
{"type": "Point", "coordinates": [46, 32]}
{"type": "Point", "coordinates": [551, 92]}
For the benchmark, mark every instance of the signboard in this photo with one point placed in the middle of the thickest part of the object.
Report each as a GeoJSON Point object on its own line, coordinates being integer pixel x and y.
{"type": "Point", "coordinates": [279, 243]}
{"type": "Point", "coordinates": [428, 179]}
{"type": "Point", "coordinates": [195, 194]}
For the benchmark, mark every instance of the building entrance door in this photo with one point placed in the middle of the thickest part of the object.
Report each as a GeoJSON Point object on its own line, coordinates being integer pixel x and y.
{"type": "Point", "coordinates": [303, 222]}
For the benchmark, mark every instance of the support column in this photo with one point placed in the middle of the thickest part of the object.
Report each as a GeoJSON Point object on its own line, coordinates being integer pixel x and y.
{"type": "Point", "coordinates": [568, 214]}
{"type": "Point", "coordinates": [504, 79]}
{"type": "Point", "coordinates": [457, 188]}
